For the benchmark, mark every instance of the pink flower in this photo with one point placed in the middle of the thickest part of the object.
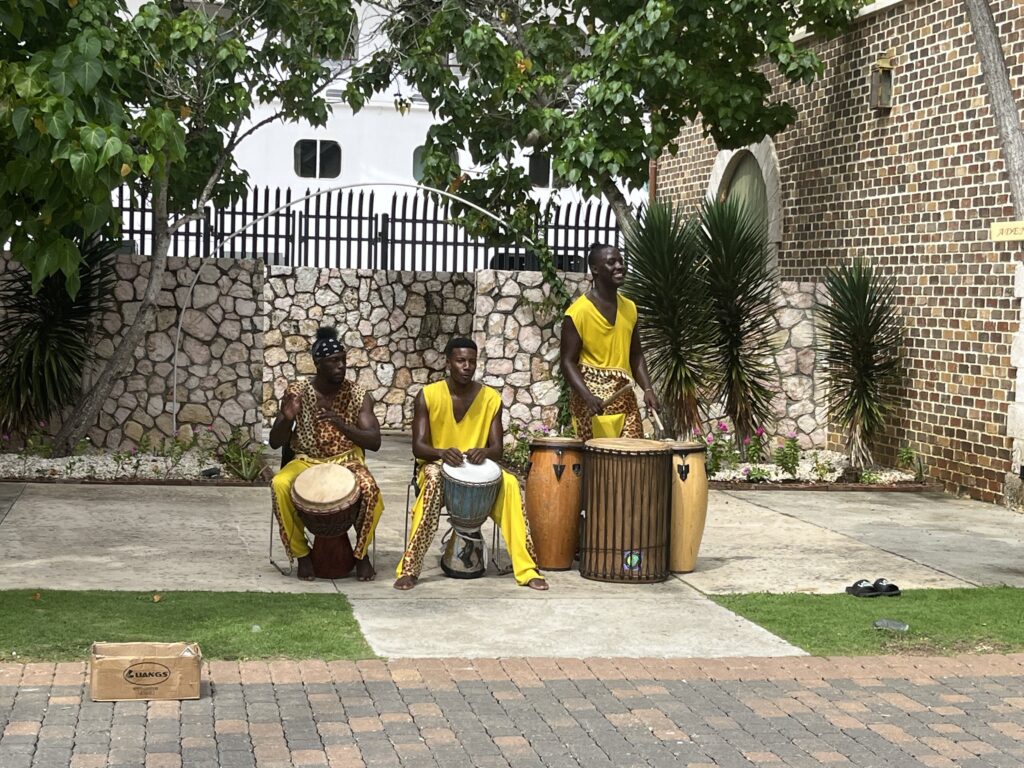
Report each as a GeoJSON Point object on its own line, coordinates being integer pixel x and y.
{"type": "Point", "coordinates": [746, 470]}
{"type": "Point", "coordinates": [759, 431]}
{"type": "Point", "coordinates": [746, 440]}
{"type": "Point", "coordinates": [791, 435]}
{"type": "Point", "coordinates": [710, 439]}
{"type": "Point", "coordinates": [723, 427]}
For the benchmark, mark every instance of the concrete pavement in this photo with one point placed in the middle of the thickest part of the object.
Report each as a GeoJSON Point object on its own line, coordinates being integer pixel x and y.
{"type": "Point", "coordinates": [216, 538]}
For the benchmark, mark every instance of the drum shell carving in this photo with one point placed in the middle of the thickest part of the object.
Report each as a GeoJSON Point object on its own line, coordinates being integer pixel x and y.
{"type": "Point", "coordinates": [627, 496]}
{"type": "Point", "coordinates": [554, 499]}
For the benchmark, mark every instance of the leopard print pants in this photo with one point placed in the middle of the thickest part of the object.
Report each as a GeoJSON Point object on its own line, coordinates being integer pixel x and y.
{"type": "Point", "coordinates": [604, 383]}
{"type": "Point", "coordinates": [432, 493]}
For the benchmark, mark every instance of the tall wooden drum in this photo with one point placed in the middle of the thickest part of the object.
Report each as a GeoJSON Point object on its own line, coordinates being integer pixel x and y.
{"type": "Point", "coordinates": [554, 499]}
{"type": "Point", "coordinates": [689, 504]}
{"type": "Point", "coordinates": [627, 495]}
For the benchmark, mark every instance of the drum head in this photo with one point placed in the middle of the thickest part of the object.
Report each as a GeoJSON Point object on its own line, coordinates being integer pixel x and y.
{"type": "Point", "coordinates": [686, 446]}
{"type": "Point", "coordinates": [324, 484]}
{"type": "Point", "coordinates": [627, 445]}
{"type": "Point", "coordinates": [473, 474]}
{"type": "Point", "coordinates": [556, 442]}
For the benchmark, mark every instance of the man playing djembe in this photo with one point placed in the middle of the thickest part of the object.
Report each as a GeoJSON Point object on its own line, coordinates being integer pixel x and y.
{"type": "Point", "coordinates": [327, 419]}
{"type": "Point", "coordinates": [458, 420]}
{"type": "Point", "coordinates": [601, 354]}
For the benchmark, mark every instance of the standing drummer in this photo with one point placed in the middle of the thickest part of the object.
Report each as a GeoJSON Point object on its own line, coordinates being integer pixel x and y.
{"type": "Point", "coordinates": [601, 354]}
{"type": "Point", "coordinates": [327, 419]}
{"type": "Point", "coordinates": [458, 420]}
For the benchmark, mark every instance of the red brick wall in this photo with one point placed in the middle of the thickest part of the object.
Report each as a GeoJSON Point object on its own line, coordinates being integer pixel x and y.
{"type": "Point", "coordinates": [913, 191]}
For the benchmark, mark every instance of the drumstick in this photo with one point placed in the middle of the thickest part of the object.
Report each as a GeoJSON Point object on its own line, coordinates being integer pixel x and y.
{"type": "Point", "coordinates": [657, 421]}
{"type": "Point", "coordinates": [620, 391]}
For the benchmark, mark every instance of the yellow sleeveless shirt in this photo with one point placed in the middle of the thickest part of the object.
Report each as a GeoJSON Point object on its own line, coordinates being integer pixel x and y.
{"type": "Point", "coordinates": [475, 426]}
{"type": "Point", "coordinates": [604, 345]}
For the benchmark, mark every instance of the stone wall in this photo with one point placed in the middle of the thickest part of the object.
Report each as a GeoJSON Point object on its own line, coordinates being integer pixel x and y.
{"type": "Point", "coordinates": [219, 362]}
{"type": "Point", "coordinates": [395, 325]}
{"type": "Point", "coordinates": [799, 406]}
{"type": "Point", "coordinates": [914, 191]}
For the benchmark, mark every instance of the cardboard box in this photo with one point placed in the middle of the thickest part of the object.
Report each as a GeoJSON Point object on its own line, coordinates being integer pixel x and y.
{"type": "Point", "coordinates": [125, 671]}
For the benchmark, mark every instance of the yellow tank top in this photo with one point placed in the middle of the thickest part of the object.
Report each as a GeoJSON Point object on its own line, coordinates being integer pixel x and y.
{"type": "Point", "coordinates": [604, 345]}
{"type": "Point", "coordinates": [472, 431]}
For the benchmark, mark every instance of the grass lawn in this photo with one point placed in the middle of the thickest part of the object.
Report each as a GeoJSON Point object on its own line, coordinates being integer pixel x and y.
{"type": "Point", "coordinates": [942, 621]}
{"type": "Point", "coordinates": [60, 626]}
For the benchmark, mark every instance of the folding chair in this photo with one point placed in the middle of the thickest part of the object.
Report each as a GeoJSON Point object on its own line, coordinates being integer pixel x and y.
{"type": "Point", "coordinates": [287, 454]}
{"type": "Point", "coordinates": [412, 492]}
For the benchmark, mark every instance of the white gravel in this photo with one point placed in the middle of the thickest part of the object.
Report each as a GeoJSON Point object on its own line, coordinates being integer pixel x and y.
{"type": "Point", "coordinates": [15, 466]}
{"type": "Point", "coordinates": [830, 466]}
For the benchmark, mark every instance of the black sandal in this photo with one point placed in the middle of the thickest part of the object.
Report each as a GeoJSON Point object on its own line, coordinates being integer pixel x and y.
{"type": "Point", "coordinates": [886, 589]}
{"type": "Point", "coordinates": [862, 588]}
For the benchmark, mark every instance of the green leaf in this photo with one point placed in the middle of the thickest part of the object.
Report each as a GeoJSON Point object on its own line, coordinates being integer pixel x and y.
{"type": "Point", "coordinates": [56, 125]}
{"type": "Point", "coordinates": [94, 216]}
{"type": "Point", "coordinates": [92, 137]}
{"type": "Point", "coordinates": [112, 147]}
{"type": "Point", "coordinates": [62, 83]}
{"type": "Point", "coordinates": [87, 73]}
{"type": "Point", "coordinates": [81, 165]}
{"type": "Point", "coordinates": [19, 119]}
{"type": "Point", "coordinates": [146, 163]}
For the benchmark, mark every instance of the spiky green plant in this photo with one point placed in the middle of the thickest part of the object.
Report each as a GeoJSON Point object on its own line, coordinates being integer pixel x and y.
{"type": "Point", "coordinates": [860, 343]}
{"type": "Point", "coordinates": [740, 286]}
{"type": "Point", "coordinates": [667, 282]}
{"type": "Point", "coordinates": [45, 337]}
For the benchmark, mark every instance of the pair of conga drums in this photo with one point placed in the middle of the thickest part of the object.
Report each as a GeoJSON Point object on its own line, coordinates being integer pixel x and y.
{"type": "Point", "coordinates": [645, 502]}
{"type": "Point", "coordinates": [326, 496]}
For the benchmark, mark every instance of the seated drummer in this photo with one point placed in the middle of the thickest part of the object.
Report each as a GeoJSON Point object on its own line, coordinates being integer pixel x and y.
{"type": "Point", "coordinates": [327, 419]}
{"type": "Point", "coordinates": [601, 354]}
{"type": "Point", "coordinates": [455, 420]}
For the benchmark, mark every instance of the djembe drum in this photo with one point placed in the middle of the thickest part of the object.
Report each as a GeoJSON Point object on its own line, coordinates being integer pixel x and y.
{"type": "Point", "coordinates": [689, 504]}
{"type": "Point", "coordinates": [627, 495]}
{"type": "Point", "coordinates": [326, 496]}
{"type": "Point", "coordinates": [469, 495]}
{"type": "Point", "coordinates": [554, 499]}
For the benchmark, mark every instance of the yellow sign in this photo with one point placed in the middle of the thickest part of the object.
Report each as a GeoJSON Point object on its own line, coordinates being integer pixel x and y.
{"type": "Point", "coordinates": [1003, 231]}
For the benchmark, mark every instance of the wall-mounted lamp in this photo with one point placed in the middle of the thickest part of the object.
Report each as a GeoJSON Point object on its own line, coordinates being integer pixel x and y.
{"type": "Point", "coordinates": [881, 83]}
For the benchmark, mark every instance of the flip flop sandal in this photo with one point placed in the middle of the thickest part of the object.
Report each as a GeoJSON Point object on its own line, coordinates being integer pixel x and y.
{"type": "Point", "coordinates": [886, 589]}
{"type": "Point", "coordinates": [863, 588]}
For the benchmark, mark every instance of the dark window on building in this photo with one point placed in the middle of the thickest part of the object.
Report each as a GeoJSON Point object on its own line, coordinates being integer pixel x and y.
{"type": "Point", "coordinates": [540, 170]}
{"type": "Point", "coordinates": [316, 159]}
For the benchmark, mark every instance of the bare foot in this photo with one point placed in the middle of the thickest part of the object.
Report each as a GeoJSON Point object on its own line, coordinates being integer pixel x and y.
{"type": "Point", "coordinates": [364, 569]}
{"type": "Point", "coordinates": [405, 582]}
{"type": "Point", "coordinates": [306, 568]}
{"type": "Point", "coordinates": [539, 584]}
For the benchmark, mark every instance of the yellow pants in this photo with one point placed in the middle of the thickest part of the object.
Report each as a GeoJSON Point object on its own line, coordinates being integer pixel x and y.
{"type": "Point", "coordinates": [293, 533]}
{"type": "Point", "coordinates": [507, 514]}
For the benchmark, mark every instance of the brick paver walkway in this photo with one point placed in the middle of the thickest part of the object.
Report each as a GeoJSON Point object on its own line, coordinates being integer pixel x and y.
{"type": "Point", "coordinates": [893, 712]}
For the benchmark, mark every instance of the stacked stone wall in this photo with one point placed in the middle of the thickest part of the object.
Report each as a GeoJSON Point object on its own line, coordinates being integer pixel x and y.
{"type": "Point", "coordinates": [913, 191]}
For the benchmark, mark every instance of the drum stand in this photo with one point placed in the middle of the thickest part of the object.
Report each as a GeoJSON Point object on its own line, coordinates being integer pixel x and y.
{"type": "Point", "coordinates": [412, 492]}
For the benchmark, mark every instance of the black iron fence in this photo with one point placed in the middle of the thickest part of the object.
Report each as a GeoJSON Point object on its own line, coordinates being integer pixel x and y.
{"type": "Point", "coordinates": [355, 229]}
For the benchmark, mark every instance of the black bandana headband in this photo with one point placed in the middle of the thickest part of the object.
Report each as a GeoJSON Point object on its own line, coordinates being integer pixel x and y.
{"type": "Point", "coordinates": [326, 344]}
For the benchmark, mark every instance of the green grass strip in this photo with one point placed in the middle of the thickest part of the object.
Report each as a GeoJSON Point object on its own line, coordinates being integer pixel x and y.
{"type": "Point", "coordinates": [942, 621]}
{"type": "Point", "coordinates": [40, 625]}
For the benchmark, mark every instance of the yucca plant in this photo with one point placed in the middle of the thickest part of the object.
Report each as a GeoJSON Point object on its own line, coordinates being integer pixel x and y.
{"type": "Point", "coordinates": [667, 281]}
{"type": "Point", "coordinates": [45, 337]}
{"type": "Point", "coordinates": [740, 286]}
{"type": "Point", "coordinates": [860, 343]}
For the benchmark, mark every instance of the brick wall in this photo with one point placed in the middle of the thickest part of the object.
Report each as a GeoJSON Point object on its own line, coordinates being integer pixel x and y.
{"type": "Point", "coordinates": [914, 191]}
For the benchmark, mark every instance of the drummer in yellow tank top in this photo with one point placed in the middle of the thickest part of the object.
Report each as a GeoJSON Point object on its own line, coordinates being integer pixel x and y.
{"type": "Point", "coordinates": [459, 420]}
{"type": "Point", "coordinates": [601, 355]}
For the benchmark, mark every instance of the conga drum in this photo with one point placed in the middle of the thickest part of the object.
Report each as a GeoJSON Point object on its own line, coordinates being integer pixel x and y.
{"type": "Point", "coordinates": [326, 496]}
{"type": "Point", "coordinates": [689, 504]}
{"type": "Point", "coordinates": [627, 495]}
{"type": "Point", "coordinates": [554, 499]}
{"type": "Point", "coordinates": [469, 495]}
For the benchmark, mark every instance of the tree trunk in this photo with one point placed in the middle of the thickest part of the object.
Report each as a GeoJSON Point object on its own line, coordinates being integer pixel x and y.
{"type": "Point", "coordinates": [623, 213]}
{"type": "Point", "coordinates": [79, 422]}
{"type": "Point", "coordinates": [1000, 97]}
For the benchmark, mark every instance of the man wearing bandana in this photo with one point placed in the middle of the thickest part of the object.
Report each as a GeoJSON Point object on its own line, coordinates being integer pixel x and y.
{"type": "Point", "coordinates": [326, 419]}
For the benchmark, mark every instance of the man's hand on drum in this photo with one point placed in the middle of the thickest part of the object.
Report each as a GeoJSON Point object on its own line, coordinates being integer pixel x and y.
{"type": "Point", "coordinates": [290, 405]}
{"type": "Point", "coordinates": [594, 403]}
{"type": "Point", "coordinates": [452, 457]}
{"type": "Point", "coordinates": [476, 455]}
{"type": "Point", "coordinates": [651, 400]}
